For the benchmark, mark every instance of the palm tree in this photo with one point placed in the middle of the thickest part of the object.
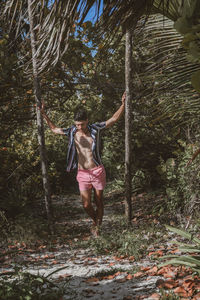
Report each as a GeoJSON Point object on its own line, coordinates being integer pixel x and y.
{"type": "Point", "coordinates": [128, 82]}
{"type": "Point", "coordinates": [41, 138]}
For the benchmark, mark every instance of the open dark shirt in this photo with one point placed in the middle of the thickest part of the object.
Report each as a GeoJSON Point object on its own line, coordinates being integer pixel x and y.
{"type": "Point", "coordinates": [95, 132]}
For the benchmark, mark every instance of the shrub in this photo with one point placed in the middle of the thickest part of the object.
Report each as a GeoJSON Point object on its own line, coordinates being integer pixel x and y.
{"type": "Point", "coordinates": [181, 182]}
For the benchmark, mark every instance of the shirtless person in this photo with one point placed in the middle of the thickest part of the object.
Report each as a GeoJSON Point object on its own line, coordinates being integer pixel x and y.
{"type": "Point", "coordinates": [84, 154]}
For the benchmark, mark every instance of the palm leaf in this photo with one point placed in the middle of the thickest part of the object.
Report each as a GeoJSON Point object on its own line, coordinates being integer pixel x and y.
{"type": "Point", "coordinates": [53, 24]}
{"type": "Point", "coordinates": [168, 66]}
{"type": "Point", "coordinates": [184, 234]}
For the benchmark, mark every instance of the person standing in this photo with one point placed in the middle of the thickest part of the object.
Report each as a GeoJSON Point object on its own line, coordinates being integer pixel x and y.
{"type": "Point", "coordinates": [84, 154]}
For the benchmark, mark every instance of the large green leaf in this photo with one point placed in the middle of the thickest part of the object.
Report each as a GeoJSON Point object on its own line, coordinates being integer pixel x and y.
{"type": "Point", "coordinates": [184, 234]}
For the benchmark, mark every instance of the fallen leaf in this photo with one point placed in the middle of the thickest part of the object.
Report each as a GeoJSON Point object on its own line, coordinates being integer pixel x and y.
{"type": "Point", "coordinates": [159, 252]}
{"type": "Point", "coordinates": [138, 274]}
{"type": "Point", "coordinates": [116, 258]}
{"type": "Point", "coordinates": [129, 277]}
{"type": "Point", "coordinates": [175, 251]}
{"type": "Point", "coordinates": [188, 284]}
{"type": "Point", "coordinates": [155, 221]}
{"type": "Point", "coordinates": [122, 256]}
{"type": "Point", "coordinates": [54, 262]}
{"type": "Point", "coordinates": [180, 290]}
{"type": "Point", "coordinates": [93, 279]}
{"type": "Point", "coordinates": [168, 284]}
{"type": "Point", "coordinates": [144, 269]}
{"type": "Point", "coordinates": [169, 274]}
{"type": "Point", "coordinates": [42, 247]}
{"type": "Point", "coordinates": [65, 276]}
{"type": "Point", "coordinates": [111, 276]}
{"type": "Point", "coordinates": [153, 271]}
{"type": "Point", "coordinates": [154, 296]}
{"type": "Point", "coordinates": [131, 258]}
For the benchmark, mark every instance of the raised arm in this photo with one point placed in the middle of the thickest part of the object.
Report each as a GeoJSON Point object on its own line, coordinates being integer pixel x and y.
{"type": "Point", "coordinates": [117, 114]}
{"type": "Point", "coordinates": [53, 128]}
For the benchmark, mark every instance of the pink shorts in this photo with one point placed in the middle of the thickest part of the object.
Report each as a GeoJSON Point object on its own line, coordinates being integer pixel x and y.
{"type": "Point", "coordinates": [95, 177]}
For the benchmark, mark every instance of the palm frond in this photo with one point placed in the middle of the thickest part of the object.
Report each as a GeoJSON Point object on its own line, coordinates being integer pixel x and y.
{"type": "Point", "coordinates": [53, 23]}
{"type": "Point", "coordinates": [167, 69]}
{"type": "Point", "coordinates": [126, 13]}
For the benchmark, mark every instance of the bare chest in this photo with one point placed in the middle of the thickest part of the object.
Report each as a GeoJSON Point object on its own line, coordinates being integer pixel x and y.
{"type": "Point", "coordinates": [83, 141]}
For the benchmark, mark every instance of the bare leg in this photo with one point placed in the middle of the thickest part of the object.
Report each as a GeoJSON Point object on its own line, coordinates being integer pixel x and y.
{"type": "Point", "coordinates": [98, 198]}
{"type": "Point", "coordinates": [86, 199]}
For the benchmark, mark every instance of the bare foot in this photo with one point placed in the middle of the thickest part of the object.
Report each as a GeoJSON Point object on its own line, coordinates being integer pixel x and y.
{"type": "Point", "coordinates": [95, 231]}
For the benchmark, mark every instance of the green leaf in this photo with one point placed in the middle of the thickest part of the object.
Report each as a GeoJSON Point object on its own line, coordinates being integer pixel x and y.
{"type": "Point", "coordinates": [189, 249]}
{"type": "Point", "coordinates": [39, 279]}
{"type": "Point", "coordinates": [177, 261]}
{"type": "Point", "coordinates": [183, 233]}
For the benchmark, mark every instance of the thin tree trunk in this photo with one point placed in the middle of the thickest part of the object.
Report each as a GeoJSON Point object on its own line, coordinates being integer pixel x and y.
{"type": "Point", "coordinates": [41, 139]}
{"type": "Point", "coordinates": [128, 187]}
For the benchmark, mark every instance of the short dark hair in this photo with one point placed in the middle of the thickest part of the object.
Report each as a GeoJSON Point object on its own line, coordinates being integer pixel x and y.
{"type": "Point", "coordinates": [80, 114]}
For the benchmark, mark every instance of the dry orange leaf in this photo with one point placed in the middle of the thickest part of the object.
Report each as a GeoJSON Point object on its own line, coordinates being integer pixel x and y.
{"type": "Point", "coordinates": [190, 292]}
{"type": "Point", "coordinates": [169, 274]}
{"type": "Point", "coordinates": [168, 284]}
{"type": "Point", "coordinates": [131, 258]}
{"type": "Point", "coordinates": [175, 251]}
{"type": "Point", "coordinates": [129, 277]}
{"type": "Point", "coordinates": [163, 270]}
{"type": "Point", "coordinates": [65, 275]}
{"type": "Point", "coordinates": [138, 274]}
{"type": "Point", "coordinates": [159, 252]}
{"type": "Point", "coordinates": [155, 296]}
{"type": "Point", "coordinates": [180, 290]}
{"type": "Point", "coordinates": [55, 262]}
{"type": "Point", "coordinates": [188, 284]}
{"type": "Point", "coordinates": [93, 279]}
{"type": "Point", "coordinates": [144, 269]}
{"type": "Point", "coordinates": [111, 276]}
{"type": "Point", "coordinates": [116, 258]}
{"type": "Point", "coordinates": [153, 271]}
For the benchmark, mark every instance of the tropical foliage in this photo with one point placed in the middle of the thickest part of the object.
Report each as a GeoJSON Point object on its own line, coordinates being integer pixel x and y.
{"type": "Point", "coordinates": [193, 247]}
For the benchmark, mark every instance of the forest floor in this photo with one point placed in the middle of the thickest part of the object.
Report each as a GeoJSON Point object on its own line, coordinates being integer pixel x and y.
{"type": "Point", "coordinates": [122, 264]}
